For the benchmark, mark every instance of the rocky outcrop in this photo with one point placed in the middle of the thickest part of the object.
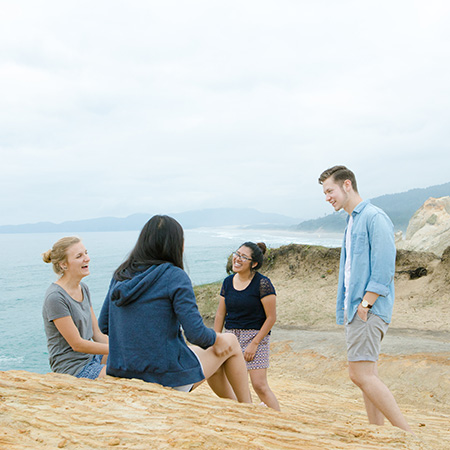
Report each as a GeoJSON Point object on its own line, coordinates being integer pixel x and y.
{"type": "Point", "coordinates": [429, 227]}
{"type": "Point", "coordinates": [47, 412]}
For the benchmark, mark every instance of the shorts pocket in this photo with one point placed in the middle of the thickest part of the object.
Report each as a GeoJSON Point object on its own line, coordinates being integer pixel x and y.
{"type": "Point", "coordinates": [360, 319]}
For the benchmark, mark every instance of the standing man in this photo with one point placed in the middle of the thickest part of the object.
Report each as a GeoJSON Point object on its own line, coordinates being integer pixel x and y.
{"type": "Point", "coordinates": [365, 297]}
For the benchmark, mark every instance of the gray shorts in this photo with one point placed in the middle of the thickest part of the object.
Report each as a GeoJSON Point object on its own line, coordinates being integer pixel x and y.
{"type": "Point", "coordinates": [364, 338]}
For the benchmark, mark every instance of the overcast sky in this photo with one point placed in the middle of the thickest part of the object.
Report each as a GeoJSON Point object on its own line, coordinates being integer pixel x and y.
{"type": "Point", "coordinates": [110, 108]}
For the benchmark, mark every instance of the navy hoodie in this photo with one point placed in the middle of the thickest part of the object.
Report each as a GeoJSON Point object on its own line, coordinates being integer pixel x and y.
{"type": "Point", "coordinates": [143, 317]}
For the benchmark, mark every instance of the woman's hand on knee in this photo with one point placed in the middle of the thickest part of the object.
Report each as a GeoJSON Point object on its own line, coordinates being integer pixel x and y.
{"type": "Point", "coordinates": [223, 345]}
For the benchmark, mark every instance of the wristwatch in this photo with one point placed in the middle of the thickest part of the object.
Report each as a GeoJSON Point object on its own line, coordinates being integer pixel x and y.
{"type": "Point", "coordinates": [364, 304]}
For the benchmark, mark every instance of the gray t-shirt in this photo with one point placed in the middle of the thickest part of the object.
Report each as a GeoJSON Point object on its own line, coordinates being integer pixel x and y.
{"type": "Point", "coordinates": [58, 303]}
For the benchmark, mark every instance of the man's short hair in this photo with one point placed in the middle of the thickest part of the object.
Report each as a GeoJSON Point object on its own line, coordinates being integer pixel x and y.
{"type": "Point", "coordinates": [339, 174]}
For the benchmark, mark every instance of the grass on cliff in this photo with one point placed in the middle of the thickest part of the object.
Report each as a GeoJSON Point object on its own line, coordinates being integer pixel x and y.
{"type": "Point", "coordinates": [208, 299]}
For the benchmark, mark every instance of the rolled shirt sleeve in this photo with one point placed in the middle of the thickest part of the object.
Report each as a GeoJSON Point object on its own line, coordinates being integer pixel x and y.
{"type": "Point", "coordinates": [382, 255]}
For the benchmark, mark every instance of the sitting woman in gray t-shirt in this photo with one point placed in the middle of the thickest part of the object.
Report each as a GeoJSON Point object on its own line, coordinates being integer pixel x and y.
{"type": "Point", "coordinates": [76, 345]}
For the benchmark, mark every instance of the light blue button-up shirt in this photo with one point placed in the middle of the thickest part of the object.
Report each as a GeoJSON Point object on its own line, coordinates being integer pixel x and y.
{"type": "Point", "coordinates": [372, 263]}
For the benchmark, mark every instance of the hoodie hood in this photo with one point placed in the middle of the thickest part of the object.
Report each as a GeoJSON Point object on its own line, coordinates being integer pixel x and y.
{"type": "Point", "coordinates": [128, 291]}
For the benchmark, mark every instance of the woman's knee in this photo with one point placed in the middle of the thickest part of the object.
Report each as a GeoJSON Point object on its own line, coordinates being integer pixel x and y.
{"type": "Point", "coordinates": [233, 342]}
{"type": "Point", "coordinates": [259, 381]}
{"type": "Point", "coordinates": [260, 386]}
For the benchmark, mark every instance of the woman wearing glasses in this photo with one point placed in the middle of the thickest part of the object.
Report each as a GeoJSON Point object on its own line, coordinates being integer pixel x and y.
{"type": "Point", "coordinates": [247, 307]}
{"type": "Point", "coordinates": [150, 303]}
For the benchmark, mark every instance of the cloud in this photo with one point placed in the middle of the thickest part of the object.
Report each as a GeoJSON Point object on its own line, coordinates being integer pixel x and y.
{"type": "Point", "coordinates": [111, 108]}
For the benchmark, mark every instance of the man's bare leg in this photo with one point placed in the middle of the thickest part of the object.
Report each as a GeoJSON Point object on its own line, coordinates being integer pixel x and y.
{"type": "Point", "coordinates": [377, 396]}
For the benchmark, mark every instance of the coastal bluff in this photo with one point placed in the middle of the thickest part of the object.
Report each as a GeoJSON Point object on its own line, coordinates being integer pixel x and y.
{"type": "Point", "coordinates": [306, 277]}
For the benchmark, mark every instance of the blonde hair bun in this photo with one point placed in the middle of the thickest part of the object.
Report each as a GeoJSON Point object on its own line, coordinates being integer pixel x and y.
{"type": "Point", "coordinates": [47, 256]}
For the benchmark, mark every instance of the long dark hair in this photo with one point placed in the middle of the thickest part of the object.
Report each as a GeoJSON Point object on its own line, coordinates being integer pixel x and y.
{"type": "Point", "coordinates": [160, 241]}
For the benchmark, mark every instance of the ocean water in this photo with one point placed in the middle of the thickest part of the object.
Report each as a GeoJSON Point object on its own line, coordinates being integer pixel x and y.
{"type": "Point", "coordinates": [24, 277]}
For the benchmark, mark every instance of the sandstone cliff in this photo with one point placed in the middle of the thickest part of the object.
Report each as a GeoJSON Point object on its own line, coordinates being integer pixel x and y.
{"type": "Point", "coordinates": [429, 227]}
{"type": "Point", "coordinates": [321, 410]}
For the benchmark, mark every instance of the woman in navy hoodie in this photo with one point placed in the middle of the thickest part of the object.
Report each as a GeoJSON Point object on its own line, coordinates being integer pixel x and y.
{"type": "Point", "coordinates": [150, 303]}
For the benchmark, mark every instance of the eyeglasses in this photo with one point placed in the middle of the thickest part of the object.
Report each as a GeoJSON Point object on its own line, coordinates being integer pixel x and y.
{"type": "Point", "coordinates": [241, 257]}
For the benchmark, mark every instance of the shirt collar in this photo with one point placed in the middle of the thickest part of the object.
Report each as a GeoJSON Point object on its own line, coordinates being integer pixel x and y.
{"type": "Point", "coordinates": [360, 206]}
